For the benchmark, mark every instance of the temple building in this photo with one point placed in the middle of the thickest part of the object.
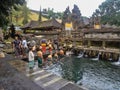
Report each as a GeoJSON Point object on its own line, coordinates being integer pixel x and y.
{"type": "Point", "coordinates": [49, 27]}
{"type": "Point", "coordinates": [104, 38]}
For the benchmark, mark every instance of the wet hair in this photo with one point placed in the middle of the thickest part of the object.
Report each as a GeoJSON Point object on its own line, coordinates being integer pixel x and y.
{"type": "Point", "coordinates": [37, 48]}
{"type": "Point", "coordinates": [31, 45]}
{"type": "Point", "coordinates": [16, 37]}
{"type": "Point", "coordinates": [30, 48]}
{"type": "Point", "coordinates": [23, 38]}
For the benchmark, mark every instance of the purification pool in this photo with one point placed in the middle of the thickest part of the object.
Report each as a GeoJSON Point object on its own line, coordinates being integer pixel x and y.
{"type": "Point", "coordinates": [94, 75]}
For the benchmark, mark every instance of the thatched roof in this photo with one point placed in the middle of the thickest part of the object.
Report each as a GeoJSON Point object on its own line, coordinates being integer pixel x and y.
{"type": "Point", "coordinates": [30, 25]}
{"type": "Point", "coordinates": [48, 24]}
{"type": "Point", "coordinates": [53, 23]}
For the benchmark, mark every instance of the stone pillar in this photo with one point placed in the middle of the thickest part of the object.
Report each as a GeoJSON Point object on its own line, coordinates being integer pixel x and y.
{"type": "Point", "coordinates": [103, 44]}
{"type": "Point", "coordinates": [81, 43]}
{"type": "Point", "coordinates": [115, 57]}
{"type": "Point", "coordinates": [89, 43]}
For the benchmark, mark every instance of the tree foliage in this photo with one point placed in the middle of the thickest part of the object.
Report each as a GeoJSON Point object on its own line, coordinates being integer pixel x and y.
{"type": "Point", "coordinates": [25, 13]}
{"type": "Point", "coordinates": [21, 11]}
{"type": "Point", "coordinates": [5, 10]}
{"type": "Point", "coordinates": [59, 15]}
{"type": "Point", "coordinates": [50, 13]}
{"type": "Point", "coordinates": [16, 14]}
{"type": "Point", "coordinates": [110, 12]}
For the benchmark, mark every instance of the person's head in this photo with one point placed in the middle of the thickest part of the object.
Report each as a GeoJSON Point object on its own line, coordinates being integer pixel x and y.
{"type": "Point", "coordinates": [16, 38]}
{"type": "Point", "coordinates": [61, 52]}
{"type": "Point", "coordinates": [49, 56]}
{"type": "Point", "coordinates": [23, 38]}
{"type": "Point", "coordinates": [16, 33]}
{"type": "Point", "coordinates": [34, 47]}
{"type": "Point", "coordinates": [50, 46]}
{"type": "Point", "coordinates": [31, 48]}
{"type": "Point", "coordinates": [49, 40]}
{"type": "Point", "coordinates": [55, 55]}
{"type": "Point", "coordinates": [39, 53]}
{"type": "Point", "coordinates": [31, 44]}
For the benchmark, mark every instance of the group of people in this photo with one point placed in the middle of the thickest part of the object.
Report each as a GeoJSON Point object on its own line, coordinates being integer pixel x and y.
{"type": "Point", "coordinates": [46, 53]}
{"type": "Point", "coordinates": [20, 47]}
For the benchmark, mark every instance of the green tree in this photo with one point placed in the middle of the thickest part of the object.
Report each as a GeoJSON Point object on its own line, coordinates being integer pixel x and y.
{"type": "Point", "coordinates": [6, 8]}
{"type": "Point", "coordinates": [51, 13]}
{"type": "Point", "coordinates": [110, 12]}
{"type": "Point", "coordinates": [25, 13]}
{"type": "Point", "coordinates": [16, 13]}
{"type": "Point", "coordinates": [59, 15]}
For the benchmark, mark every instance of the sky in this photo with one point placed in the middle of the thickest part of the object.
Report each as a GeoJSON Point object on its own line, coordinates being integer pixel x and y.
{"type": "Point", "coordinates": [87, 7]}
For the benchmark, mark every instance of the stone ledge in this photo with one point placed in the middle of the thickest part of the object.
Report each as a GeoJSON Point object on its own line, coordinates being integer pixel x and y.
{"type": "Point", "coordinates": [71, 86]}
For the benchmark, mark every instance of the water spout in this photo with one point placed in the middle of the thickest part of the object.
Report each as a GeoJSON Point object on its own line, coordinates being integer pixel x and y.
{"type": "Point", "coordinates": [97, 58]}
{"type": "Point", "coordinates": [117, 63]}
{"type": "Point", "coordinates": [80, 55]}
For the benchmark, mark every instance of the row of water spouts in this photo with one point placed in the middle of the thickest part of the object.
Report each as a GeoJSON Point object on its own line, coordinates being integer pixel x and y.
{"type": "Point", "coordinates": [80, 55]}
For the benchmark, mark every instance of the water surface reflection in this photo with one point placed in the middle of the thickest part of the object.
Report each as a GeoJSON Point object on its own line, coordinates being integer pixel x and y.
{"type": "Point", "coordinates": [94, 75]}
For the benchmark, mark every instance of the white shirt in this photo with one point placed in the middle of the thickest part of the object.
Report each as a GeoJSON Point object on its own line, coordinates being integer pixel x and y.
{"type": "Point", "coordinates": [24, 43]}
{"type": "Point", "coordinates": [31, 56]}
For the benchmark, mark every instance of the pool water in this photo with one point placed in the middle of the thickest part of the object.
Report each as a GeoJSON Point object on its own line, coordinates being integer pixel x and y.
{"type": "Point", "coordinates": [94, 75]}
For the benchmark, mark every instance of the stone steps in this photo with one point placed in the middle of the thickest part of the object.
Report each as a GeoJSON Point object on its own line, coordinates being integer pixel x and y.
{"type": "Point", "coordinates": [43, 78]}
{"type": "Point", "coordinates": [47, 80]}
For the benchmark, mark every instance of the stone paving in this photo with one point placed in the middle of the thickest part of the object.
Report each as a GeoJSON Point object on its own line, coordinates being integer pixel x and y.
{"type": "Point", "coordinates": [12, 79]}
{"type": "Point", "coordinates": [38, 79]}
